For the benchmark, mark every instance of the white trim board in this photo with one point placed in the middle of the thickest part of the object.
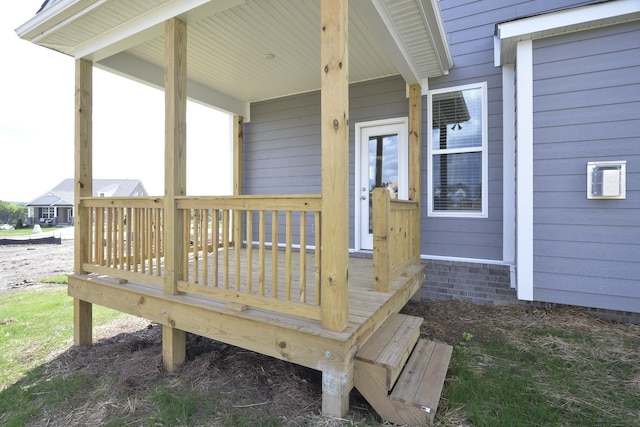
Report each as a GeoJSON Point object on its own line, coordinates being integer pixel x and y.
{"type": "Point", "coordinates": [524, 173]}
{"type": "Point", "coordinates": [508, 34]}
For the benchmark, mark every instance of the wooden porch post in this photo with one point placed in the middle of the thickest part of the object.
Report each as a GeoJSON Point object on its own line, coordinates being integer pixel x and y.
{"type": "Point", "coordinates": [238, 155]}
{"type": "Point", "coordinates": [238, 189]}
{"type": "Point", "coordinates": [334, 56]}
{"type": "Point", "coordinates": [335, 164]}
{"type": "Point", "coordinates": [83, 187]}
{"type": "Point", "coordinates": [415, 166]}
{"type": "Point", "coordinates": [175, 167]}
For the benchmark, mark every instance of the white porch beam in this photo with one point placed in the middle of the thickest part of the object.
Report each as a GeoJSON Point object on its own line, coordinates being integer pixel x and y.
{"type": "Point", "coordinates": [391, 36]}
{"type": "Point", "coordinates": [134, 68]}
{"type": "Point", "coordinates": [387, 38]}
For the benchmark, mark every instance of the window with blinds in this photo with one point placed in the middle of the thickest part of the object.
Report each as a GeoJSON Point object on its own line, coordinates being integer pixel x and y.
{"type": "Point", "coordinates": [457, 151]}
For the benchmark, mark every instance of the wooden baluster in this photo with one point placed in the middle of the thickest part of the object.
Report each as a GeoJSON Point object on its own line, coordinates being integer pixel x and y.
{"type": "Point", "coordinates": [215, 244]}
{"type": "Point", "coordinates": [100, 242]}
{"type": "Point", "coordinates": [303, 257]}
{"type": "Point", "coordinates": [186, 236]}
{"type": "Point", "coordinates": [109, 254]}
{"type": "Point", "coordinates": [204, 226]}
{"type": "Point", "coordinates": [129, 238]}
{"type": "Point", "coordinates": [119, 216]}
{"type": "Point", "coordinates": [92, 237]}
{"type": "Point", "coordinates": [261, 259]}
{"type": "Point", "coordinates": [225, 246]}
{"type": "Point", "coordinates": [237, 245]}
{"type": "Point", "coordinates": [287, 262]}
{"type": "Point", "coordinates": [249, 251]}
{"type": "Point", "coordinates": [274, 254]}
{"type": "Point", "coordinates": [159, 243]}
{"type": "Point", "coordinates": [196, 245]}
{"type": "Point", "coordinates": [141, 241]}
{"type": "Point", "coordinates": [147, 256]}
{"type": "Point", "coordinates": [137, 230]}
{"type": "Point", "coordinates": [318, 258]}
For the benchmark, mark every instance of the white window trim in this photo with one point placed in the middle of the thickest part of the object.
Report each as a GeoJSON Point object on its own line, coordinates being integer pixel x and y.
{"type": "Point", "coordinates": [484, 213]}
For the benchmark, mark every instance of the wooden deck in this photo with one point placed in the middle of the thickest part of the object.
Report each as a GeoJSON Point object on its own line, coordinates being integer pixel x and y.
{"type": "Point", "coordinates": [297, 339]}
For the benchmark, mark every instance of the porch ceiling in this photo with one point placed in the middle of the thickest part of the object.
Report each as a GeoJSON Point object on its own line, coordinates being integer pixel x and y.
{"type": "Point", "coordinates": [243, 51]}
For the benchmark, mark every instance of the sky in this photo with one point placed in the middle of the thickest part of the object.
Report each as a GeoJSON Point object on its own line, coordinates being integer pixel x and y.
{"type": "Point", "coordinates": [37, 124]}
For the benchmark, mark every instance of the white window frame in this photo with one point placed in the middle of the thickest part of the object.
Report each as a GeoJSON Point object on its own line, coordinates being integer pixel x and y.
{"type": "Point", "coordinates": [48, 212]}
{"type": "Point", "coordinates": [484, 212]}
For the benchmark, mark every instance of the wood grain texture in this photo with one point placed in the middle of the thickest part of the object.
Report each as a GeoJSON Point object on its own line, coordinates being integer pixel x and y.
{"type": "Point", "coordinates": [334, 60]}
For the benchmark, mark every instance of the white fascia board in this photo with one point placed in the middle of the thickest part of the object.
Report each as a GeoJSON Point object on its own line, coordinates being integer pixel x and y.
{"type": "Point", "coordinates": [569, 20]}
{"type": "Point", "coordinates": [52, 16]}
{"type": "Point", "coordinates": [432, 17]}
{"type": "Point", "coordinates": [134, 68]}
{"type": "Point", "coordinates": [524, 173]}
{"type": "Point", "coordinates": [375, 14]}
{"type": "Point", "coordinates": [147, 26]}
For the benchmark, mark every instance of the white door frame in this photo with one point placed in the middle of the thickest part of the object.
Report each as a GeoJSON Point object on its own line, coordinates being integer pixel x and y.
{"type": "Point", "coordinates": [363, 131]}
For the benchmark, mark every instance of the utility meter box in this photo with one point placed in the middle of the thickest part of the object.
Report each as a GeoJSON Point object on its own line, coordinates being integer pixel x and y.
{"type": "Point", "coordinates": [606, 180]}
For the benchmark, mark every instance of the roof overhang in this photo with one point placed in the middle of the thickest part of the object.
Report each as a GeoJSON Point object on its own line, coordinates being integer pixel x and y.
{"type": "Point", "coordinates": [508, 34]}
{"type": "Point", "coordinates": [243, 51]}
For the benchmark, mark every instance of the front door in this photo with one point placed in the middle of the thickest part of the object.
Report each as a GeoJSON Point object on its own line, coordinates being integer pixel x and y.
{"type": "Point", "coordinates": [382, 153]}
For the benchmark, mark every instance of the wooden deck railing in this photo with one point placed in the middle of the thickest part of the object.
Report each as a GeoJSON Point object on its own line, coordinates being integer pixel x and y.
{"type": "Point", "coordinates": [394, 245]}
{"type": "Point", "coordinates": [125, 235]}
{"type": "Point", "coordinates": [226, 257]}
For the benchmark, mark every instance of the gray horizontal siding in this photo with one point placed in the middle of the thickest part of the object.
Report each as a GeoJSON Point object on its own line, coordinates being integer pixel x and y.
{"type": "Point", "coordinates": [586, 108]}
{"type": "Point", "coordinates": [283, 142]}
{"type": "Point", "coordinates": [470, 25]}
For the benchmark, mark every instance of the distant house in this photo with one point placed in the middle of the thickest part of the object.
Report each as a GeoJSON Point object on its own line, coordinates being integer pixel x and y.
{"type": "Point", "coordinates": [55, 207]}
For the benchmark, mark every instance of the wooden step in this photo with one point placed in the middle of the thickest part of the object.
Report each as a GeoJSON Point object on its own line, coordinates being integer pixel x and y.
{"type": "Point", "coordinates": [391, 345]}
{"type": "Point", "coordinates": [421, 381]}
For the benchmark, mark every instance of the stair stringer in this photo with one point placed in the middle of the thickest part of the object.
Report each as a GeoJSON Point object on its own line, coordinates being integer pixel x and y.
{"type": "Point", "coordinates": [371, 382]}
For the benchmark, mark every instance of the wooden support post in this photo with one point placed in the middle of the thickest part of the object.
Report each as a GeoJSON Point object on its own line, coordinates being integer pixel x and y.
{"type": "Point", "coordinates": [175, 148]}
{"type": "Point", "coordinates": [238, 155]}
{"type": "Point", "coordinates": [82, 322]}
{"type": "Point", "coordinates": [83, 187]}
{"type": "Point", "coordinates": [381, 237]}
{"type": "Point", "coordinates": [175, 167]}
{"type": "Point", "coordinates": [415, 169]}
{"type": "Point", "coordinates": [173, 347]}
{"type": "Point", "coordinates": [335, 164]}
{"type": "Point", "coordinates": [335, 392]}
{"type": "Point", "coordinates": [238, 180]}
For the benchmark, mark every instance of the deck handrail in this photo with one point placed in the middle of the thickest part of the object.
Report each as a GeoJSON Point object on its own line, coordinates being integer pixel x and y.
{"type": "Point", "coordinates": [125, 237]}
{"type": "Point", "coordinates": [394, 246]}
{"type": "Point", "coordinates": [243, 223]}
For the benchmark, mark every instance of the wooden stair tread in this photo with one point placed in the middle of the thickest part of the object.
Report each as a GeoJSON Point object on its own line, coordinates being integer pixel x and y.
{"type": "Point", "coordinates": [391, 345]}
{"type": "Point", "coordinates": [420, 383]}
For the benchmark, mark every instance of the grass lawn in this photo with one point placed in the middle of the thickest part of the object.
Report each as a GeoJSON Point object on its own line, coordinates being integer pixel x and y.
{"type": "Point", "coordinates": [26, 231]}
{"type": "Point", "coordinates": [511, 366]}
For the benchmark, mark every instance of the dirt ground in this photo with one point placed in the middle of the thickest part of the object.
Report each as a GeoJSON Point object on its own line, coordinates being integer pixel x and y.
{"type": "Point", "coordinates": [131, 348]}
{"type": "Point", "coordinates": [24, 265]}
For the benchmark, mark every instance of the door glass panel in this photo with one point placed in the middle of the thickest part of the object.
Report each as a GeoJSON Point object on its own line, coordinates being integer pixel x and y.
{"type": "Point", "coordinates": [383, 167]}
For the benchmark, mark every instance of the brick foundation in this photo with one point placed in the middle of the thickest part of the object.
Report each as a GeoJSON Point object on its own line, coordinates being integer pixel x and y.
{"type": "Point", "coordinates": [478, 283]}
{"type": "Point", "coordinates": [489, 284]}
